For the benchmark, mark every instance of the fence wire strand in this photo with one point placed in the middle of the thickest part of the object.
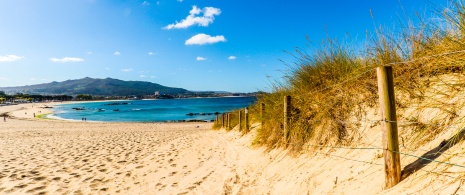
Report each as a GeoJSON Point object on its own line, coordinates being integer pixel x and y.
{"type": "Point", "coordinates": [376, 121]}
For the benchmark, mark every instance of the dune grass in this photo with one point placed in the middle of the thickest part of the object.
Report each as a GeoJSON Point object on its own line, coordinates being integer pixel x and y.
{"type": "Point", "coordinates": [334, 88]}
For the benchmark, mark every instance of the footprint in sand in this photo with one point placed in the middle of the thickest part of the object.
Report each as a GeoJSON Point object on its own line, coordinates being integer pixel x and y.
{"type": "Point", "coordinates": [35, 189]}
{"type": "Point", "coordinates": [39, 178]}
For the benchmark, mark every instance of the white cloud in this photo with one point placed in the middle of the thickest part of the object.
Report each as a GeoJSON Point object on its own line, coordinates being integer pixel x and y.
{"type": "Point", "coordinates": [89, 52]}
{"type": "Point", "coordinates": [32, 79]}
{"type": "Point", "coordinates": [142, 76]}
{"type": "Point", "coordinates": [192, 19]}
{"type": "Point", "coordinates": [152, 76]}
{"type": "Point", "coordinates": [66, 59]}
{"type": "Point", "coordinates": [107, 68]}
{"type": "Point", "coordinates": [151, 53]}
{"type": "Point", "coordinates": [201, 39]}
{"type": "Point", "coordinates": [201, 58]}
{"type": "Point", "coordinates": [126, 69]}
{"type": "Point", "coordinates": [145, 3]}
{"type": "Point", "coordinates": [232, 58]}
{"type": "Point", "coordinates": [117, 53]}
{"type": "Point", "coordinates": [10, 58]}
{"type": "Point", "coordinates": [180, 0]}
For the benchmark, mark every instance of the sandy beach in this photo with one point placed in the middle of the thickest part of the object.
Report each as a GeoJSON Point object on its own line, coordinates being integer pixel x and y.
{"type": "Point", "coordinates": [43, 156]}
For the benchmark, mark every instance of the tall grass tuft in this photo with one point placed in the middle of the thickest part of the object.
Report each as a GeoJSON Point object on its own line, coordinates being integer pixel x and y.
{"type": "Point", "coordinates": [335, 86]}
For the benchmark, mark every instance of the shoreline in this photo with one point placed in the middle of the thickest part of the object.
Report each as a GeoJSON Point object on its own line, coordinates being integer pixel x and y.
{"type": "Point", "coordinates": [29, 109]}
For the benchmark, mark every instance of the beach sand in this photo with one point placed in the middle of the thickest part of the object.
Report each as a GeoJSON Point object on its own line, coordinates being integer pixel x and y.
{"type": "Point", "coordinates": [43, 156]}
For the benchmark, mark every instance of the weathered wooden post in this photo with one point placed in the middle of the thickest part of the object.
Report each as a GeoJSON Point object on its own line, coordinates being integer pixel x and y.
{"type": "Point", "coordinates": [246, 115]}
{"type": "Point", "coordinates": [240, 120]}
{"type": "Point", "coordinates": [262, 113]}
{"type": "Point", "coordinates": [228, 115]}
{"type": "Point", "coordinates": [222, 120]}
{"type": "Point", "coordinates": [387, 102]}
{"type": "Point", "coordinates": [287, 115]}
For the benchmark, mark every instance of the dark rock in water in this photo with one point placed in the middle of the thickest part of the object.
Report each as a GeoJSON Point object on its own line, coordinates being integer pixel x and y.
{"type": "Point", "coordinates": [217, 113]}
{"type": "Point", "coordinates": [190, 114]}
{"type": "Point", "coordinates": [79, 108]}
{"type": "Point", "coordinates": [203, 114]}
{"type": "Point", "coordinates": [196, 121]}
{"type": "Point", "coordinates": [124, 103]}
{"type": "Point", "coordinates": [116, 110]}
{"type": "Point", "coordinates": [212, 120]}
{"type": "Point", "coordinates": [209, 113]}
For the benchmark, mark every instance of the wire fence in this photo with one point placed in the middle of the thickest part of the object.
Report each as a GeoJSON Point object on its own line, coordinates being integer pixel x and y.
{"type": "Point", "coordinates": [371, 122]}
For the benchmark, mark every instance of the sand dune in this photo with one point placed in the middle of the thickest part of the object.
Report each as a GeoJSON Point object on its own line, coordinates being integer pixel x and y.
{"type": "Point", "coordinates": [40, 156]}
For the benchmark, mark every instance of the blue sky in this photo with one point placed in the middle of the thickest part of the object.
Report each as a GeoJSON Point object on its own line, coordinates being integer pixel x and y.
{"type": "Point", "coordinates": [216, 45]}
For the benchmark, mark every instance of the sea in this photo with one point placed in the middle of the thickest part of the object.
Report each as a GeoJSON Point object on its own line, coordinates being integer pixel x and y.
{"type": "Point", "coordinates": [153, 110]}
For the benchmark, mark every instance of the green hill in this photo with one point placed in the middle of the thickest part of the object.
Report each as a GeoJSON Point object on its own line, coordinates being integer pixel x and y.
{"type": "Point", "coordinates": [108, 86]}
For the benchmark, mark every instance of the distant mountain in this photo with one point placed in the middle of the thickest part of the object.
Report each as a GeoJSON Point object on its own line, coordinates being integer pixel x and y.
{"type": "Point", "coordinates": [93, 86]}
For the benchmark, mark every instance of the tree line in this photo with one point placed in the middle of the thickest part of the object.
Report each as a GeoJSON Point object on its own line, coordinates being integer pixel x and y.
{"type": "Point", "coordinates": [30, 97]}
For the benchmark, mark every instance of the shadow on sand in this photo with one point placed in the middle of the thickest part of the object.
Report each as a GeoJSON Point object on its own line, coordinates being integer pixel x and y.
{"type": "Point", "coordinates": [432, 154]}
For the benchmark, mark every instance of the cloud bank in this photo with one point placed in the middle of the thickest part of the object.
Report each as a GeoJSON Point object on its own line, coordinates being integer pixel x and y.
{"type": "Point", "coordinates": [201, 58]}
{"type": "Point", "coordinates": [201, 39]}
{"type": "Point", "coordinates": [10, 58]}
{"type": "Point", "coordinates": [232, 58]}
{"type": "Point", "coordinates": [66, 59]}
{"type": "Point", "coordinates": [209, 14]}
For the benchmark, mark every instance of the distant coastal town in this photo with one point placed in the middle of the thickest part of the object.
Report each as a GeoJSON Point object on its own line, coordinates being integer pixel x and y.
{"type": "Point", "coordinates": [6, 99]}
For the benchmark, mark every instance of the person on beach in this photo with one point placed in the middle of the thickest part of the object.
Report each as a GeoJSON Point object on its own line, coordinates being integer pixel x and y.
{"type": "Point", "coordinates": [4, 118]}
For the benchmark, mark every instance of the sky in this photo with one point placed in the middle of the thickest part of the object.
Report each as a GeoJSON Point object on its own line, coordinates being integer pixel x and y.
{"type": "Point", "coordinates": [198, 45]}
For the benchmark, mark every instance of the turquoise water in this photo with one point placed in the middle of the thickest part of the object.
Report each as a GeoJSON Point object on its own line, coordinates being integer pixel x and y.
{"type": "Point", "coordinates": [151, 110]}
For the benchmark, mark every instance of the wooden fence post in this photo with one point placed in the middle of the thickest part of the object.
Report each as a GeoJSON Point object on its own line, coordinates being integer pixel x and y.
{"type": "Point", "coordinates": [246, 111]}
{"type": "Point", "coordinates": [240, 122]}
{"type": "Point", "coordinates": [262, 113]}
{"type": "Point", "coordinates": [228, 115]}
{"type": "Point", "coordinates": [287, 115]}
{"type": "Point", "coordinates": [222, 121]}
{"type": "Point", "coordinates": [389, 126]}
